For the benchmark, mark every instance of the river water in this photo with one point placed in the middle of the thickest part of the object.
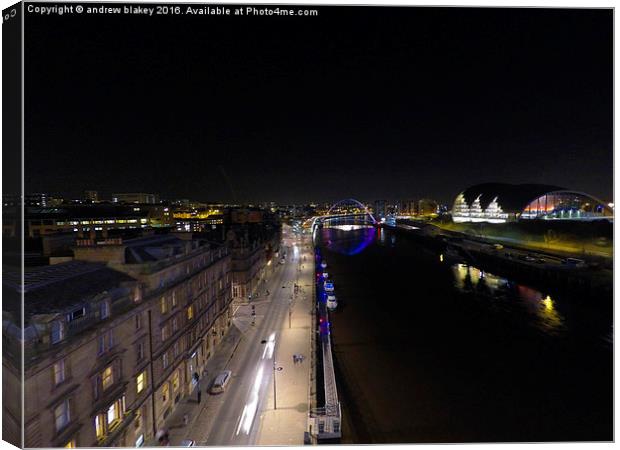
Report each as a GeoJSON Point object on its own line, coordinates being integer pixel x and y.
{"type": "Point", "coordinates": [429, 350]}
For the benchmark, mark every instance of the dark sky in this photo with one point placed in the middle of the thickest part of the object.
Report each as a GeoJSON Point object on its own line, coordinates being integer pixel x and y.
{"type": "Point", "coordinates": [368, 102]}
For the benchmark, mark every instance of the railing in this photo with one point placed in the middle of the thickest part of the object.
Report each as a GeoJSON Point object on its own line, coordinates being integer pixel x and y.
{"type": "Point", "coordinates": [326, 421]}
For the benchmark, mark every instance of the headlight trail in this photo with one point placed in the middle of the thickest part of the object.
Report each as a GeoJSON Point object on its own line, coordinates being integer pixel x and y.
{"type": "Point", "coordinates": [249, 410]}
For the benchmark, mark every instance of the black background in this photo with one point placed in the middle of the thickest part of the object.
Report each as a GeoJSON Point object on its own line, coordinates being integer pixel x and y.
{"type": "Point", "coordinates": [369, 102]}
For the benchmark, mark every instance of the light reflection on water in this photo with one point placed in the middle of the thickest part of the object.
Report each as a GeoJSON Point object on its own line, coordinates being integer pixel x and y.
{"type": "Point", "coordinates": [340, 238]}
{"type": "Point", "coordinates": [485, 284]}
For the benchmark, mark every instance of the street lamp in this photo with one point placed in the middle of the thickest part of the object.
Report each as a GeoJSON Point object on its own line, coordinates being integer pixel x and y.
{"type": "Point", "coordinates": [275, 369]}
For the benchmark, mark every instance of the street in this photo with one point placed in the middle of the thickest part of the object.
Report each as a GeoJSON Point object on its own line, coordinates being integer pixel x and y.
{"type": "Point", "coordinates": [236, 413]}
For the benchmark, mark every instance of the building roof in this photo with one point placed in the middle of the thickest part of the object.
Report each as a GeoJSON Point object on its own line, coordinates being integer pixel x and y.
{"type": "Point", "coordinates": [51, 289]}
{"type": "Point", "coordinates": [85, 212]}
{"type": "Point", "coordinates": [513, 198]}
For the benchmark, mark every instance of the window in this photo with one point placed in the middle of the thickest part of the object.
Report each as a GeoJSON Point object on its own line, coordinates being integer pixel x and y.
{"type": "Point", "coordinates": [164, 333]}
{"type": "Point", "coordinates": [100, 426]}
{"type": "Point", "coordinates": [138, 321]}
{"type": "Point", "coordinates": [71, 444]}
{"type": "Point", "coordinates": [104, 309]}
{"type": "Point", "coordinates": [105, 342]}
{"type": "Point", "coordinates": [174, 299]}
{"type": "Point", "coordinates": [140, 352]}
{"type": "Point", "coordinates": [138, 420]}
{"type": "Point", "coordinates": [58, 370]}
{"type": "Point", "coordinates": [164, 360]}
{"type": "Point", "coordinates": [115, 412]}
{"type": "Point", "coordinates": [107, 377]}
{"type": "Point", "coordinates": [176, 349]}
{"type": "Point", "coordinates": [141, 382]}
{"type": "Point", "coordinates": [62, 415]}
{"type": "Point", "coordinates": [76, 314]}
{"type": "Point", "coordinates": [101, 345]}
{"type": "Point", "coordinates": [164, 305]}
{"type": "Point", "coordinates": [175, 325]}
{"type": "Point", "coordinates": [190, 312]}
{"type": "Point", "coordinates": [165, 392]}
{"type": "Point", "coordinates": [175, 380]}
{"type": "Point", "coordinates": [58, 331]}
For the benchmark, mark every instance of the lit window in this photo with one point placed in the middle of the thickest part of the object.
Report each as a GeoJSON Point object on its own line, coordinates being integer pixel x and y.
{"type": "Point", "coordinates": [71, 444]}
{"type": "Point", "coordinates": [175, 381]}
{"type": "Point", "coordinates": [165, 392]}
{"type": "Point", "coordinates": [190, 312]}
{"type": "Point", "coordinates": [100, 425]}
{"type": "Point", "coordinates": [59, 372]}
{"type": "Point", "coordinates": [164, 305]}
{"type": "Point", "coordinates": [141, 382]}
{"type": "Point", "coordinates": [107, 378]}
{"type": "Point", "coordinates": [62, 415]}
{"type": "Point", "coordinates": [116, 411]}
{"type": "Point", "coordinates": [174, 299]}
{"type": "Point", "coordinates": [164, 333]}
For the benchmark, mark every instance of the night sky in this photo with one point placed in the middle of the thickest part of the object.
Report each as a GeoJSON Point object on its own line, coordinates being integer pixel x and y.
{"type": "Point", "coordinates": [368, 102]}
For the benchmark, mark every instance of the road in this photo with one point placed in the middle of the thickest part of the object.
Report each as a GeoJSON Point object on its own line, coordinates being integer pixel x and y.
{"type": "Point", "coordinates": [252, 365]}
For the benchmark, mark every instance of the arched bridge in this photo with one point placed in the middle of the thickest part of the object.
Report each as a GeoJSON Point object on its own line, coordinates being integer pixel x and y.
{"type": "Point", "coordinates": [342, 209]}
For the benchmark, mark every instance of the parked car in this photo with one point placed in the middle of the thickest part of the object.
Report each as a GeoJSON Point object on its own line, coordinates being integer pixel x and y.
{"type": "Point", "coordinates": [220, 382]}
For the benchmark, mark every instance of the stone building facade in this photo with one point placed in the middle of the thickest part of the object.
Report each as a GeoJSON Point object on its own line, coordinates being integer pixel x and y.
{"type": "Point", "coordinates": [113, 340]}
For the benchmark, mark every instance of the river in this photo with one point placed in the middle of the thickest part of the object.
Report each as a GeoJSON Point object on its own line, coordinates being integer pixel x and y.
{"type": "Point", "coordinates": [430, 350]}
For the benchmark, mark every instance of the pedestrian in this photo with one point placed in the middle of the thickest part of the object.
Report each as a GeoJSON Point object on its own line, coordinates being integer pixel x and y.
{"type": "Point", "coordinates": [294, 359]}
{"type": "Point", "coordinates": [199, 395]}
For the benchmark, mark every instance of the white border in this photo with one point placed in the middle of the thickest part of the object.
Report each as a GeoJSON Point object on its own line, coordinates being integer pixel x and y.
{"type": "Point", "coordinates": [478, 3]}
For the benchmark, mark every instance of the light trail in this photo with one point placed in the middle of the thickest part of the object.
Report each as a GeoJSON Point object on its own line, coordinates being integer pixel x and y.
{"type": "Point", "coordinates": [270, 346]}
{"type": "Point", "coordinates": [249, 410]}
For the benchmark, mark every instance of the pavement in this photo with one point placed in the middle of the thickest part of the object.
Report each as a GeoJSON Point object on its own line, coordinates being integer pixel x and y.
{"type": "Point", "coordinates": [244, 414]}
{"type": "Point", "coordinates": [286, 424]}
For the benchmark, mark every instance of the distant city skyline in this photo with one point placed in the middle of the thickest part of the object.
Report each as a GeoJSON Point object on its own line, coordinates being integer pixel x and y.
{"type": "Point", "coordinates": [365, 102]}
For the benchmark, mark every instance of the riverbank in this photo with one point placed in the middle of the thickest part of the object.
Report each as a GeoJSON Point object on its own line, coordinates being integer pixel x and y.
{"type": "Point", "coordinates": [423, 356]}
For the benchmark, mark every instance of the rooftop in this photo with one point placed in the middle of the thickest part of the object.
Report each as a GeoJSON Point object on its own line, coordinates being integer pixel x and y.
{"type": "Point", "coordinates": [52, 289]}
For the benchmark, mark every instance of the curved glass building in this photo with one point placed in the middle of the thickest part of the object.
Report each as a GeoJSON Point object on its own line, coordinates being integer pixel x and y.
{"type": "Point", "coordinates": [499, 202]}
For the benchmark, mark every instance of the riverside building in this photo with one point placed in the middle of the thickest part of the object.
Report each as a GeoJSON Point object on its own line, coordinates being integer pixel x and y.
{"type": "Point", "coordinates": [112, 340]}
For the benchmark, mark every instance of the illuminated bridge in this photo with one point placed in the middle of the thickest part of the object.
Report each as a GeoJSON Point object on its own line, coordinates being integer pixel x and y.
{"type": "Point", "coordinates": [348, 208]}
